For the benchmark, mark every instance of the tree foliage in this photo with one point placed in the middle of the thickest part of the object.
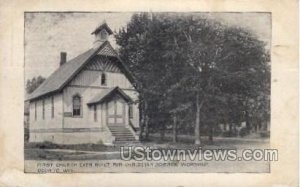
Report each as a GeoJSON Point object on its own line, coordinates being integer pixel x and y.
{"type": "Point", "coordinates": [32, 84]}
{"type": "Point", "coordinates": [196, 69]}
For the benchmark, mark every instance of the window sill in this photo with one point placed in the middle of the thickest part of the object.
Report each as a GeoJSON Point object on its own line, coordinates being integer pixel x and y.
{"type": "Point", "coordinates": [76, 116]}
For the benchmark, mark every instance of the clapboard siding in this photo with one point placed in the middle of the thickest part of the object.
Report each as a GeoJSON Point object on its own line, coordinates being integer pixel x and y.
{"type": "Point", "coordinates": [48, 122]}
{"type": "Point", "coordinates": [86, 120]}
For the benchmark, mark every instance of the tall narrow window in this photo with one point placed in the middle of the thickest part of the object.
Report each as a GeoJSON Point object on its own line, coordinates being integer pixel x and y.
{"type": "Point", "coordinates": [130, 111]}
{"type": "Point", "coordinates": [43, 109]}
{"type": "Point", "coordinates": [95, 112]}
{"type": "Point", "coordinates": [35, 113]}
{"type": "Point", "coordinates": [76, 105]}
{"type": "Point", "coordinates": [52, 107]}
{"type": "Point", "coordinates": [103, 79]}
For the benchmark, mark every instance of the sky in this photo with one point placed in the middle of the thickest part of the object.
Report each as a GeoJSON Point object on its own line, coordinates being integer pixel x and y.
{"type": "Point", "coordinates": [48, 34]}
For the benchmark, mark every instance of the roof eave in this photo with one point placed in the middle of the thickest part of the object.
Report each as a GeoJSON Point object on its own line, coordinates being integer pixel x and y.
{"type": "Point", "coordinates": [79, 69]}
{"type": "Point", "coordinates": [43, 95]}
{"type": "Point", "coordinates": [70, 78]}
{"type": "Point", "coordinates": [116, 89]}
{"type": "Point", "coordinates": [103, 26]}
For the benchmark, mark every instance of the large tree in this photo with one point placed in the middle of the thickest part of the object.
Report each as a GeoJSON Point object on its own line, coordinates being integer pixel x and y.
{"type": "Point", "coordinates": [194, 67]}
{"type": "Point", "coordinates": [33, 83]}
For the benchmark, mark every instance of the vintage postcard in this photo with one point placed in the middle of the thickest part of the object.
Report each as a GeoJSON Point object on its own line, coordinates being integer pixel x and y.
{"type": "Point", "coordinates": [201, 92]}
{"type": "Point", "coordinates": [147, 92]}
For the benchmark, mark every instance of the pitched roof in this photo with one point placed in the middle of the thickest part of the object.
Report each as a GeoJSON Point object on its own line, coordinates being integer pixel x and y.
{"type": "Point", "coordinates": [107, 93]}
{"type": "Point", "coordinates": [57, 80]}
{"type": "Point", "coordinates": [102, 26]}
{"type": "Point", "coordinates": [108, 50]}
{"type": "Point", "coordinates": [64, 73]}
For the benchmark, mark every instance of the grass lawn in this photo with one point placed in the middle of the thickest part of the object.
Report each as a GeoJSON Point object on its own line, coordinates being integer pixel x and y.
{"type": "Point", "coordinates": [50, 151]}
{"type": "Point", "coordinates": [81, 147]}
{"type": "Point", "coordinates": [187, 142]}
{"type": "Point", "coordinates": [45, 154]}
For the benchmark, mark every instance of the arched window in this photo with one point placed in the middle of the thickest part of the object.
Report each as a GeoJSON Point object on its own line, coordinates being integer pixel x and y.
{"type": "Point", "coordinates": [103, 79]}
{"type": "Point", "coordinates": [103, 35]}
{"type": "Point", "coordinates": [76, 105]}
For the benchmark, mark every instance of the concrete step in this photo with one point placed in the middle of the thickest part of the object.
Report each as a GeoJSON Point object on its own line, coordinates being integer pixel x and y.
{"type": "Point", "coordinates": [122, 134]}
{"type": "Point", "coordinates": [128, 143]}
{"type": "Point", "coordinates": [120, 130]}
{"type": "Point", "coordinates": [125, 139]}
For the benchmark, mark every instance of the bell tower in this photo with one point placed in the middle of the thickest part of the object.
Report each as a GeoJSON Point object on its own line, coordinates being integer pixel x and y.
{"type": "Point", "coordinates": [101, 33]}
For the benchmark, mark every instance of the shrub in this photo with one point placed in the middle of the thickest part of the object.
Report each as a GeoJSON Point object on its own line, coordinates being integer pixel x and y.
{"type": "Point", "coordinates": [265, 134]}
{"type": "Point", "coordinates": [47, 145]}
{"type": "Point", "coordinates": [100, 142]}
{"type": "Point", "coordinates": [244, 131]}
{"type": "Point", "coordinates": [229, 134]}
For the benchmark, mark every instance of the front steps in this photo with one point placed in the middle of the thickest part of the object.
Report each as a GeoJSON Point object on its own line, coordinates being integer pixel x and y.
{"type": "Point", "coordinates": [122, 134]}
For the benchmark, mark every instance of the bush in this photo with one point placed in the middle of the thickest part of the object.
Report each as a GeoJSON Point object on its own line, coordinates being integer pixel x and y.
{"type": "Point", "coordinates": [244, 131]}
{"type": "Point", "coordinates": [42, 145]}
{"type": "Point", "coordinates": [100, 142]}
{"type": "Point", "coordinates": [218, 131]}
{"type": "Point", "coordinates": [265, 134]}
{"type": "Point", "coordinates": [229, 134]}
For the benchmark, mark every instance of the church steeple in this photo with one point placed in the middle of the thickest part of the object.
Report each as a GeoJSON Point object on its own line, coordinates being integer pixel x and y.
{"type": "Point", "coordinates": [101, 33]}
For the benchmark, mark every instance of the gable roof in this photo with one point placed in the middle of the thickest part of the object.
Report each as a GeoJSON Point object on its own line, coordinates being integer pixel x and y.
{"type": "Point", "coordinates": [103, 26]}
{"type": "Point", "coordinates": [57, 80]}
{"type": "Point", "coordinates": [105, 94]}
{"type": "Point", "coordinates": [108, 50]}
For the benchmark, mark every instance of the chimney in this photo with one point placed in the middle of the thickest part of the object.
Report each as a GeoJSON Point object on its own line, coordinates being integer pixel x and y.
{"type": "Point", "coordinates": [63, 58]}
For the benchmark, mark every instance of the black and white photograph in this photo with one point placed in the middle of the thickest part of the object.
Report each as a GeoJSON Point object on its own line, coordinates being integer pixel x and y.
{"type": "Point", "coordinates": [185, 92]}
{"type": "Point", "coordinates": [146, 93]}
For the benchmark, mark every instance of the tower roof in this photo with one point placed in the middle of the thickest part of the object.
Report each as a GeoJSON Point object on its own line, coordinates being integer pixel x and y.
{"type": "Point", "coordinates": [103, 26]}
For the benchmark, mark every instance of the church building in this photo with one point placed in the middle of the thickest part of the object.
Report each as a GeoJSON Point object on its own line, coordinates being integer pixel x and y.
{"type": "Point", "coordinates": [88, 99]}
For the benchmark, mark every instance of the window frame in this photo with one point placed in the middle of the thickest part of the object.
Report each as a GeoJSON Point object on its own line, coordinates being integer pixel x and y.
{"type": "Point", "coordinates": [43, 108]}
{"type": "Point", "coordinates": [103, 77]}
{"type": "Point", "coordinates": [95, 113]}
{"type": "Point", "coordinates": [35, 110]}
{"type": "Point", "coordinates": [103, 35]}
{"type": "Point", "coordinates": [130, 111]}
{"type": "Point", "coordinates": [52, 107]}
{"type": "Point", "coordinates": [80, 106]}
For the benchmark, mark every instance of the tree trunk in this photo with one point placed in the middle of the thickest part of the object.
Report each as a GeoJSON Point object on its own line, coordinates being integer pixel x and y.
{"type": "Point", "coordinates": [146, 121]}
{"type": "Point", "coordinates": [248, 125]}
{"type": "Point", "coordinates": [146, 127]}
{"type": "Point", "coordinates": [174, 129]}
{"type": "Point", "coordinates": [142, 124]}
{"type": "Point", "coordinates": [211, 133]}
{"type": "Point", "coordinates": [197, 124]}
{"type": "Point", "coordinates": [141, 132]}
{"type": "Point", "coordinates": [162, 132]}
